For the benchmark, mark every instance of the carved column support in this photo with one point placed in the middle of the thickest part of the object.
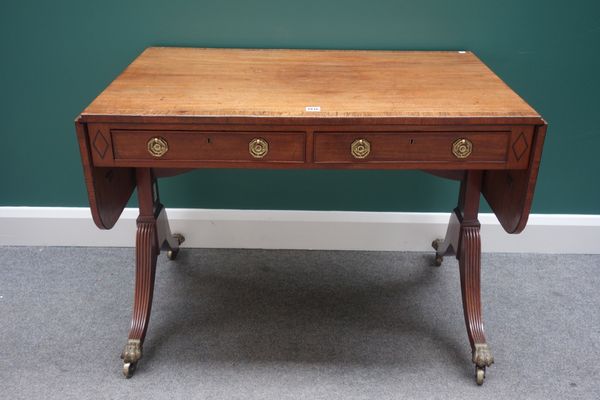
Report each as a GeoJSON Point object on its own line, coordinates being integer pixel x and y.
{"type": "Point", "coordinates": [448, 245]}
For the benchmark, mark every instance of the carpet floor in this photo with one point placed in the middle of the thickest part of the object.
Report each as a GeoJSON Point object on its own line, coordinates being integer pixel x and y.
{"type": "Point", "coordinates": [265, 324]}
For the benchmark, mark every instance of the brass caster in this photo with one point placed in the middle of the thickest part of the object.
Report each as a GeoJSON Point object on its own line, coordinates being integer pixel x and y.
{"type": "Point", "coordinates": [172, 254]}
{"type": "Point", "coordinates": [438, 257]}
{"type": "Point", "coordinates": [479, 375]}
{"type": "Point", "coordinates": [129, 369]}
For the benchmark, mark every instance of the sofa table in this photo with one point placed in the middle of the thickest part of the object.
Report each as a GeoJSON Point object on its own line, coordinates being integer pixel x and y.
{"type": "Point", "coordinates": [176, 109]}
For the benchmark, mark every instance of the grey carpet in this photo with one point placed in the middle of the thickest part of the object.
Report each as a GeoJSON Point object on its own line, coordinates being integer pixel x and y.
{"type": "Point", "coordinates": [258, 324]}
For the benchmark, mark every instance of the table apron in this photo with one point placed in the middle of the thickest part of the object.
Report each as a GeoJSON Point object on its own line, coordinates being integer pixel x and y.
{"type": "Point", "coordinates": [315, 147]}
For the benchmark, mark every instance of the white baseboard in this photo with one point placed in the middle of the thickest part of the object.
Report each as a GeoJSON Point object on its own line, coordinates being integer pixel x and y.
{"type": "Point", "coordinates": [317, 230]}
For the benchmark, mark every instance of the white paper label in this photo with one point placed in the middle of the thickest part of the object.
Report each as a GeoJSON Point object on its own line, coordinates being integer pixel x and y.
{"type": "Point", "coordinates": [312, 108]}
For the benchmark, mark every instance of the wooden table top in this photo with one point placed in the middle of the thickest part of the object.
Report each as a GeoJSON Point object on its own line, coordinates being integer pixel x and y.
{"type": "Point", "coordinates": [193, 82]}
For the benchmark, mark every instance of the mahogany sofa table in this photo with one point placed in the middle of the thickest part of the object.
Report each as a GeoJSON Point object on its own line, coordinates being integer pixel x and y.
{"type": "Point", "coordinates": [177, 109]}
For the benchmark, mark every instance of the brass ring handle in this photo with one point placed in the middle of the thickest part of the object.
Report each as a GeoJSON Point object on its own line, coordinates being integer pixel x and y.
{"type": "Point", "coordinates": [462, 148]}
{"type": "Point", "coordinates": [157, 147]}
{"type": "Point", "coordinates": [360, 148]}
{"type": "Point", "coordinates": [258, 148]}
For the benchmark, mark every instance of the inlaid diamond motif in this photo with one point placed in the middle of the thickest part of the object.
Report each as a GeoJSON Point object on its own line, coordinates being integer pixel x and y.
{"type": "Point", "coordinates": [520, 146]}
{"type": "Point", "coordinates": [100, 144]}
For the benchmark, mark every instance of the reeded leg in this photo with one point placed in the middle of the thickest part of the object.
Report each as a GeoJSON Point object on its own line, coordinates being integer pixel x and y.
{"type": "Point", "coordinates": [470, 277]}
{"type": "Point", "coordinates": [152, 232]}
{"type": "Point", "coordinates": [469, 261]}
{"type": "Point", "coordinates": [145, 260]}
{"type": "Point", "coordinates": [463, 239]}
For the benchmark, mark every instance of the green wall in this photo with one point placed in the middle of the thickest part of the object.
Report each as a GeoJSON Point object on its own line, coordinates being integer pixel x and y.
{"type": "Point", "coordinates": [56, 56]}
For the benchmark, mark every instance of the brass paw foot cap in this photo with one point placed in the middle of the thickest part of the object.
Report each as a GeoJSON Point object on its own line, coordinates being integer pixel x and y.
{"type": "Point", "coordinates": [132, 351]}
{"type": "Point", "coordinates": [482, 355]}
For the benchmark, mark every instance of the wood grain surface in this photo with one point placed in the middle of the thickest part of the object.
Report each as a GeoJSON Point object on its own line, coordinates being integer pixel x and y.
{"type": "Point", "coordinates": [181, 82]}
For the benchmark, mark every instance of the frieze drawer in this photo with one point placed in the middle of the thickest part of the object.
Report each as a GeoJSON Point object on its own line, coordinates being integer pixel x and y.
{"type": "Point", "coordinates": [227, 146]}
{"type": "Point", "coordinates": [494, 147]}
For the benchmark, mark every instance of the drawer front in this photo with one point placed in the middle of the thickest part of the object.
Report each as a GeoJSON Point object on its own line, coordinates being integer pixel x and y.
{"type": "Point", "coordinates": [345, 147]}
{"type": "Point", "coordinates": [402, 147]}
{"type": "Point", "coordinates": [281, 147]}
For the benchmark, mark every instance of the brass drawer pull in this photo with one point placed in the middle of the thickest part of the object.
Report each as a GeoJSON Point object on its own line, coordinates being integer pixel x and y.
{"type": "Point", "coordinates": [360, 148]}
{"type": "Point", "coordinates": [462, 148]}
{"type": "Point", "coordinates": [258, 148]}
{"type": "Point", "coordinates": [157, 147]}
